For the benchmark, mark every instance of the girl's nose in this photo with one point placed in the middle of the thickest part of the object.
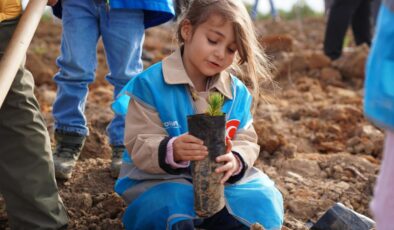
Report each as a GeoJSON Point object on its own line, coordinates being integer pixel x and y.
{"type": "Point", "coordinates": [220, 52]}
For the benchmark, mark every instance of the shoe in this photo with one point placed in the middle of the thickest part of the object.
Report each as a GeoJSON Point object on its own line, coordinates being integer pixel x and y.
{"type": "Point", "coordinates": [340, 217]}
{"type": "Point", "coordinates": [116, 162]}
{"type": "Point", "coordinates": [66, 154]}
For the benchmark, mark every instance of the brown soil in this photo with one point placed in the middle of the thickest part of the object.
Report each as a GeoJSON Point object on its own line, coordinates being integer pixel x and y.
{"type": "Point", "coordinates": [315, 142]}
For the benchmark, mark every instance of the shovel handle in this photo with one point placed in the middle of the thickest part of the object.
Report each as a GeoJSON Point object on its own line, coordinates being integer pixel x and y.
{"type": "Point", "coordinates": [17, 47]}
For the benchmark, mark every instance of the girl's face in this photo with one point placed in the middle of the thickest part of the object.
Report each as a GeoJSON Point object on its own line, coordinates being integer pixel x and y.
{"type": "Point", "coordinates": [210, 49]}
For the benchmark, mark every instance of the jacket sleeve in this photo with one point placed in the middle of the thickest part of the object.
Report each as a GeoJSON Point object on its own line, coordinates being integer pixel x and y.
{"type": "Point", "coordinates": [10, 9]}
{"type": "Point", "coordinates": [245, 145]}
{"type": "Point", "coordinates": [379, 81]}
{"type": "Point", "coordinates": [144, 134]}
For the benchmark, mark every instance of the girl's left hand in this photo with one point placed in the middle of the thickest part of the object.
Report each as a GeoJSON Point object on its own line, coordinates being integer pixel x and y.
{"type": "Point", "coordinates": [230, 165]}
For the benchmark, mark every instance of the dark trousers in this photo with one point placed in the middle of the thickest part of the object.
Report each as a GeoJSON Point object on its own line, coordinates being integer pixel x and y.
{"type": "Point", "coordinates": [221, 220]}
{"type": "Point", "coordinates": [342, 14]}
{"type": "Point", "coordinates": [27, 179]}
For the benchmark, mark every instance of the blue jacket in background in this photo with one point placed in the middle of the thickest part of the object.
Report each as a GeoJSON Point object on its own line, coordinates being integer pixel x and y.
{"type": "Point", "coordinates": [379, 83]}
{"type": "Point", "coordinates": [156, 12]}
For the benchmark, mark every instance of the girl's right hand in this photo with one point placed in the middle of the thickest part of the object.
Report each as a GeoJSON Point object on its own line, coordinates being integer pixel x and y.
{"type": "Point", "coordinates": [189, 148]}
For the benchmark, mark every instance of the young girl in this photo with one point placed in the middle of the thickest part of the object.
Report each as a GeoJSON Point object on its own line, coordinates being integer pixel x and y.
{"type": "Point", "coordinates": [155, 179]}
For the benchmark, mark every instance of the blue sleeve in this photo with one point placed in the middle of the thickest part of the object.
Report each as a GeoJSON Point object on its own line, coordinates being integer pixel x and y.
{"type": "Point", "coordinates": [379, 83]}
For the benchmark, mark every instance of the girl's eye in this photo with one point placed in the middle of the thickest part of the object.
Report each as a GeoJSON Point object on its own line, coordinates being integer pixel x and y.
{"type": "Point", "coordinates": [212, 41]}
{"type": "Point", "coordinates": [231, 50]}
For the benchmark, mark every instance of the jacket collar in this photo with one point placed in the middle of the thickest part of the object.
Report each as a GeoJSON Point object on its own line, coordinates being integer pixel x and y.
{"type": "Point", "coordinates": [174, 73]}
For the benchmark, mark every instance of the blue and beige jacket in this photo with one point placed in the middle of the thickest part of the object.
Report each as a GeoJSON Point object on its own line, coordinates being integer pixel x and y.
{"type": "Point", "coordinates": [161, 96]}
{"type": "Point", "coordinates": [157, 103]}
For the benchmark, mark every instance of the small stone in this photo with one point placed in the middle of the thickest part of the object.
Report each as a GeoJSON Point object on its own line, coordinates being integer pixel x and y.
{"type": "Point", "coordinates": [343, 185]}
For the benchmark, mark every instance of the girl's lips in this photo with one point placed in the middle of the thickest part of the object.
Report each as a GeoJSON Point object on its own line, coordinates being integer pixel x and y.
{"type": "Point", "coordinates": [214, 64]}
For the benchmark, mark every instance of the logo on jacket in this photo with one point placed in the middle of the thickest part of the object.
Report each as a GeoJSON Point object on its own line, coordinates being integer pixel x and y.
{"type": "Point", "coordinates": [171, 125]}
{"type": "Point", "coordinates": [231, 128]}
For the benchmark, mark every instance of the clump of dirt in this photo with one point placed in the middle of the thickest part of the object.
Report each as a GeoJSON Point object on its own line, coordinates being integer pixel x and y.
{"type": "Point", "coordinates": [315, 142]}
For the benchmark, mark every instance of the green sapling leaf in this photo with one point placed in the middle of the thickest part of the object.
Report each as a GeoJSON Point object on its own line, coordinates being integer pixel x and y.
{"type": "Point", "coordinates": [215, 104]}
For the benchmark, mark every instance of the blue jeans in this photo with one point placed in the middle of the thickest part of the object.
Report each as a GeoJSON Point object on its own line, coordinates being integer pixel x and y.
{"type": "Point", "coordinates": [255, 10]}
{"type": "Point", "coordinates": [122, 33]}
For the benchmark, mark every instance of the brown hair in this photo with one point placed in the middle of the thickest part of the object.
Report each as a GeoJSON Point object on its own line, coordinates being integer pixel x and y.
{"type": "Point", "coordinates": [251, 62]}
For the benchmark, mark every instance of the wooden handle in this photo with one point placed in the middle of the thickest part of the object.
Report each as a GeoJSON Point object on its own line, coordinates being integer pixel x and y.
{"type": "Point", "coordinates": [17, 47]}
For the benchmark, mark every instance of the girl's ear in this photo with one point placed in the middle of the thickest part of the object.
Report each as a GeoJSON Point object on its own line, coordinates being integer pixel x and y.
{"type": "Point", "coordinates": [186, 30]}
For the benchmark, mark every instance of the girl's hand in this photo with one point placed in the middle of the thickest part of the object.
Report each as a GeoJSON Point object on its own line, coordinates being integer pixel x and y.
{"type": "Point", "coordinates": [189, 148]}
{"type": "Point", "coordinates": [230, 165]}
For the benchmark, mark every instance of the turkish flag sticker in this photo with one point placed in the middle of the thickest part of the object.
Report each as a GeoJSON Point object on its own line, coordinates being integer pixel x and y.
{"type": "Point", "coordinates": [231, 128]}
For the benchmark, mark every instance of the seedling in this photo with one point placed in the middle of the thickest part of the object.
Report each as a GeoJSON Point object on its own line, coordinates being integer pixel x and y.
{"type": "Point", "coordinates": [215, 104]}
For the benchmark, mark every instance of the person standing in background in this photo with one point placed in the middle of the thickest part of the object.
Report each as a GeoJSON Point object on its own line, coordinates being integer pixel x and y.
{"type": "Point", "coordinates": [274, 12]}
{"type": "Point", "coordinates": [27, 180]}
{"type": "Point", "coordinates": [342, 14]}
{"type": "Point", "coordinates": [121, 26]}
{"type": "Point", "coordinates": [379, 108]}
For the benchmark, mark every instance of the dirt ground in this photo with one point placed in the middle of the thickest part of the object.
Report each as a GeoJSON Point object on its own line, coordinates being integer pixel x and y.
{"type": "Point", "coordinates": [315, 142]}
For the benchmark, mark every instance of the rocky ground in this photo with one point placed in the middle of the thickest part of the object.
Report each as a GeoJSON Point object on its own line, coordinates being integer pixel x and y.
{"type": "Point", "coordinates": [315, 142]}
